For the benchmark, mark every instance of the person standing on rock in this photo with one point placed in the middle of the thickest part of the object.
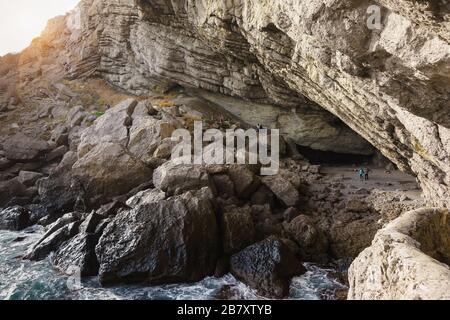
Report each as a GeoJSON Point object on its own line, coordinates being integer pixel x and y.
{"type": "Point", "coordinates": [361, 174]}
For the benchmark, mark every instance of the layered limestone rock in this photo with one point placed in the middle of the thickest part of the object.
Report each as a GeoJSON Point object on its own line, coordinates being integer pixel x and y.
{"type": "Point", "coordinates": [409, 259]}
{"type": "Point", "coordinates": [389, 84]}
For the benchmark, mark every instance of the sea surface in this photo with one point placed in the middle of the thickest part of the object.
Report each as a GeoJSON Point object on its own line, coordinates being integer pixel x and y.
{"type": "Point", "coordinates": [26, 280]}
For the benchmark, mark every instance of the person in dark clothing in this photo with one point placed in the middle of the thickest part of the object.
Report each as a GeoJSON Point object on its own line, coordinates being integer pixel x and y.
{"type": "Point", "coordinates": [366, 174]}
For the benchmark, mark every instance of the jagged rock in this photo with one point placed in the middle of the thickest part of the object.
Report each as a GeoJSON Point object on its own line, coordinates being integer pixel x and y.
{"type": "Point", "coordinates": [61, 222]}
{"type": "Point", "coordinates": [224, 185]}
{"type": "Point", "coordinates": [28, 178]}
{"type": "Point", "coordinates": [244, 179]}
{"type": "Point", "coordinates": [78, 252]}
{"type": "Point", "coordinates": [109, 170]}
{"type": "Point", "coordinates": [172, 177]}
{"type": "Point", "coordinates": [143, 108]}
{"type": "Point", "coordinates": [333, 67]}
{"type": "Point", "coordinates": [283, 189]}
{"type": "Point", "coordinates": [111, 209]}
{"type": "Point", "coordinates": [23, 148]}
{"type": "Point", "coordinates": [164, 150]}
{"type": "Point", "coordinates": [75, 116]}
{"type": "Point", "coordinates": [238, 230]}
{"type": "Point", "coordinates": [174, 240]}
{"type": "Point", "coordinates": [263, 196]}
{"type": "Point", "coordinates": [15, 218]}
{"type": "Point", "coordinates": [408, 260]}
{"type": "Point", "coordinates": [350, 234]}
{"type": "Point", "coordinates": [147, 135]}
{"type": "Point", "coordinates": [59, 152]}
{"type": "Point", "coordinates": [268, 267]}
{"type": "Point", "coordinates": [51, 242]}
{"type": "Point", "coordinates": [58, 192]}
{"type": "Point", "coordinates": [146, 197]}
{"type": "Point", "coordinates": [60, 135]}
{"type": "Point", "coordinates": [90, 223]}
{"type": "Point", "coordinates": [111, 127]}
{"type": "Point", "coordinates": [355, 205]}
{"type": "Point", "coordinates": [312, 242]}
{"type": "Point", "coordinates": [10, 189]}
{"type": "Point", "coordinates": [37, 212]}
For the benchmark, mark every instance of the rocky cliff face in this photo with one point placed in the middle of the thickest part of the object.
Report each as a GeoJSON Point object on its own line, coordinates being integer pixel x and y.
{"type": "Point", "coordinates": [407, 260]}
{"type": "Point", "coordinates": [390, 85]}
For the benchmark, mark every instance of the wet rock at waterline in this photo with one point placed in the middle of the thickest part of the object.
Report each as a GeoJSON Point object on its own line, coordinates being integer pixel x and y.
{"type": "Point", "coordinates": [51, 241]}
{"type": "Point", "coordinates": [14, 218]}
{"type": "Point", "coordinates": [174, 240]}
{"type": "Point", "coordinates": [78, 252]}
{"type": "Point", "coordinates": [268, 266]}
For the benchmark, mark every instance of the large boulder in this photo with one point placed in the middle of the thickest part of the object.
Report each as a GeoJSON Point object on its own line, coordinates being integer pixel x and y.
{"type": "Point", "coordinates": [29, 178]}
{"type": "Point", "coordinates": [283, 189]}
{"type": "Point", "coordinates": [109, 170]}
{"type": "Point", "coordinates": [24, 148]}
{"type": "Point", "coordinates": [111, 127]}
{"type": "Point", "coordinates": [351, 233]}
{"type": "Point", "coordinates": [173, 177]}
{"type": "Point", "coordinates": [147, 135]}
{"type": "Point", "coordinates": [244, 179]}
{"type": "Point", "coordinates": [312, 241]}
{"type": "Point", "coordinates": [409, 260]}
{"type": "Point", "coordinates": [268, 266]}
{"type": "Point", "coordinates": [15, 218]}
{"type": "Point", "coordinates": [238, 229]}
{"type": "Point", "coordinates": [78, 252]}
{"type": "Point", "coordinates": [10, 189]}
{"type": "Point", "coordinates": [59, 192]}
{"type": "Point", "coordinates": [174, 240]}
{"type": "Point", "coordinates": [52, 241]}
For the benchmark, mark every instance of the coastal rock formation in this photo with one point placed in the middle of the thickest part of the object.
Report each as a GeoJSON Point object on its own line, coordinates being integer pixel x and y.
{"type": "Point", "coordinates": [108, 170]}
{"type": "Point", "coordinates": [320, 71]}
{"type": "Point", "coordinates": [173, 240]}
{"type": "Point", "coordinates": [268, 266]}
{"type": "Point", "coordinates": [15, 218]}
{"type": "Point", "coordinates": [409, 259]}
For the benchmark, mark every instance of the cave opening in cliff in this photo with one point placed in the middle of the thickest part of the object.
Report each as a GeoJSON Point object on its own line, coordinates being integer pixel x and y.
{"type": "Point", "coordinates": [333, 158]}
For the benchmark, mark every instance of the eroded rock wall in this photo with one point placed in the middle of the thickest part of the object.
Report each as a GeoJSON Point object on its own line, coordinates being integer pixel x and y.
{"type": "Point", "coordinates": [407, 260]}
